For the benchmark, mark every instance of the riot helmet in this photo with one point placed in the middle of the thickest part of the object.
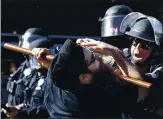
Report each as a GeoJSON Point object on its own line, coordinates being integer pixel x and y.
{"type": "Point", "coordinates": [143, 27]}
{"type": "Point", "coordinates": [110, 25]}
{"type": "Point", "coordinates": [34, 38]}
{"type": "Point", "coordinates": [30, 35]}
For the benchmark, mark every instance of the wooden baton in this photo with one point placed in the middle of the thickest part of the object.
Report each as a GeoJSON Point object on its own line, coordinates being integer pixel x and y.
{"type": "Point", "coordinates": [23, 50]}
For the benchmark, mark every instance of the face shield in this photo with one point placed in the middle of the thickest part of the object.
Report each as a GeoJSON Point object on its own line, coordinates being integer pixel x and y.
{"type": "Point", "coordinates": [27, 38]}
{"type": "Point", "coordinates": [110, 25]}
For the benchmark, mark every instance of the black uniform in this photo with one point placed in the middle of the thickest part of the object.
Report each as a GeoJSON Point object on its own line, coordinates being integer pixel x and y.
{"type": "Point", "coordinates": [28, 90]}
{"type": "Point", "coordinates": [15, 87]}
{"type": "Point", "coordinates": [26, 85]}
{"type": "Point", "coordinates": [63, 89]}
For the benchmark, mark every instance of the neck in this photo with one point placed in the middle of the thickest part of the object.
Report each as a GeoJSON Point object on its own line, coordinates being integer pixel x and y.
{"type": "Point", "coordinates": [143, 67]}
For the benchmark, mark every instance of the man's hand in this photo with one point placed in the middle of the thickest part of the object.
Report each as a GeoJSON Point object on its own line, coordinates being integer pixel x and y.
{"type": "Point", "coordinates": [96, 46]}
{"type": "Point", "coordinates": [11, 112]}
{"type": "Point", "coordinates": [39, 53]}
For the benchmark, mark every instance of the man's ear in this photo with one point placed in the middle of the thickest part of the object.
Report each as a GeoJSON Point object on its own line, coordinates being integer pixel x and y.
{"type": "Point", "coordinates": [85, 78]}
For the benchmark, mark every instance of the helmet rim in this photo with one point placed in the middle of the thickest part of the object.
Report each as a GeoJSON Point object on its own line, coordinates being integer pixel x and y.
{"type": "Point", "coordinates": [139, 35]}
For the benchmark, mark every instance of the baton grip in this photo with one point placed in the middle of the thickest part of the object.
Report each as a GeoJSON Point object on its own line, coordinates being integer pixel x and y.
{"type": "Point", "coordinates": [24, 50]}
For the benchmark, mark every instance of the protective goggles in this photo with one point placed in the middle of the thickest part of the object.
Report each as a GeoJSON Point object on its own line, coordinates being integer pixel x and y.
{"type": "Point", "coordinates": [144, 44]}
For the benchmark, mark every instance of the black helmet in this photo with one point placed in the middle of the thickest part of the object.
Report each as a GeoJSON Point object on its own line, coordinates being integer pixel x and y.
{"type": "Point", "coordinates": [143, 27]}
{"type": "Point", "coordinates": [112, 20]}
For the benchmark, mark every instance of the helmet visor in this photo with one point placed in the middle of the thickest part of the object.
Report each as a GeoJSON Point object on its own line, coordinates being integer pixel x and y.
{"type": "Point", "coordinates": [28, 38]}
{"type": "Point", "coordinates": [110, 26]}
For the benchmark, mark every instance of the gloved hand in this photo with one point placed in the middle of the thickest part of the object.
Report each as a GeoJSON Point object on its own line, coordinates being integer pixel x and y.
{"type": "Point", "coordinates": [11, 112]}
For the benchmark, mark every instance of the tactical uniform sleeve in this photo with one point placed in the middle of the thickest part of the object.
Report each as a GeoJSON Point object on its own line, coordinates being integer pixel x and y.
{"type": "Point", "coordinates": [67, 66]}
{"type": "Point", "coordinates": [155, 92]}
{"type": "Point", "coordinates": [62, 81]}
{"type": "Point", "coordinates": [155, 74]}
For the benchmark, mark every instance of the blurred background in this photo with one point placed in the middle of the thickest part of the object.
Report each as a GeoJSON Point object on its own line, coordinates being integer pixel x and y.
{"type": "Point", "coordinates": [61, 19]}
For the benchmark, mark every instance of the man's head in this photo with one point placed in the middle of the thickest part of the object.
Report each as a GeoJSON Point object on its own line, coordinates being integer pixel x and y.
{"type": "Point", "coordinates": [95, 65]}
{"type": "Point", "coordinates": [110, 25]}
{"type": "Point", "coordinates": [145, 32]}
{"type": "Point", "coordinates": [34, 38]}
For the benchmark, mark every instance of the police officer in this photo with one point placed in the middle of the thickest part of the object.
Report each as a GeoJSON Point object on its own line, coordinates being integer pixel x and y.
{"type": "Point", "coordinates": [143, 61]}
{"type": "Point", "coordinates": [26, 85]}
{"type": "Point", "coordinates": [147, 57]}
{"type": "Point", "coordinates": [110, 26]}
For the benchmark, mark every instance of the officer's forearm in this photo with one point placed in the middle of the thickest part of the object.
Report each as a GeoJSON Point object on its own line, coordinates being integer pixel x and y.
{"type": "Point", "coordinates": [127, 68]}
{"type": "Point", "coordinates": [130, 70]}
